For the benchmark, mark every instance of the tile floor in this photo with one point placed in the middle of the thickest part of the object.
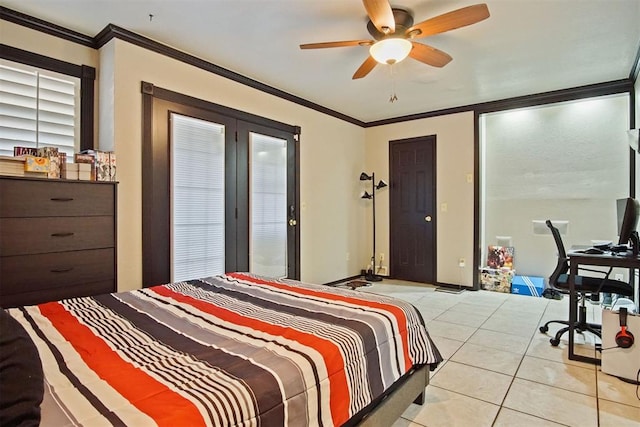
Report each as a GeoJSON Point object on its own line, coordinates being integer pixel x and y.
{"type": "Point", "coordinates": [499, 370]}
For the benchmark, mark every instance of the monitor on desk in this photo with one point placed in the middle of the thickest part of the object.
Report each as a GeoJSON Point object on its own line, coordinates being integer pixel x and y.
{"type": "Point", "coordinates": [628, 215]}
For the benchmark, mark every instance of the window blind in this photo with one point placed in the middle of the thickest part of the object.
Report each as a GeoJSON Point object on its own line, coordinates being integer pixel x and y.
{"type": "Point", "coordinates": [268, 204]}
{"type": "Point", "coordinates": [198, 198]}
{"type": "Point", "coordinates": [37, 109]}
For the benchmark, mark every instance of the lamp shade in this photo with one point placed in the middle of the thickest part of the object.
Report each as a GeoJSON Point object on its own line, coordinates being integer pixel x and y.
{"type": "Point", "coordinates": [366, 196]}
{"type": "Point", "coordinates": [381, 184]}
{"type": "Point", "coordinates": [364, 177]}
{"type": "Point", "coordinates": [390, 50]}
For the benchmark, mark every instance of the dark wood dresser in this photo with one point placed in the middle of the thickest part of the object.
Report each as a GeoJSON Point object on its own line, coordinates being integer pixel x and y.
{"type": "Point", "coordinates": [57, 239]}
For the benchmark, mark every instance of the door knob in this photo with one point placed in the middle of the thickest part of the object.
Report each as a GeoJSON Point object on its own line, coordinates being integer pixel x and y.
{"type": "Point", "coordinates": [427, 218]}
{"type": "Point", "coordinates": [292, 222]}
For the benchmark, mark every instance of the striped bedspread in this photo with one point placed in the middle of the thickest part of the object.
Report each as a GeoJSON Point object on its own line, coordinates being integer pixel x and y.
{"type": "Point", "coordinates": [231, 350]}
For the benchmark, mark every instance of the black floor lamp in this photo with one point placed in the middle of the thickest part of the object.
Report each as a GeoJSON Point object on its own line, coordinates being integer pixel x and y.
{"type": "Point", "coordinates": [371, 275]}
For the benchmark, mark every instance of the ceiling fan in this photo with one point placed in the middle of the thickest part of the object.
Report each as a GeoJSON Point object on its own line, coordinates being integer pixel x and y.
{"type": "Point", "coordinates": [393, 31]}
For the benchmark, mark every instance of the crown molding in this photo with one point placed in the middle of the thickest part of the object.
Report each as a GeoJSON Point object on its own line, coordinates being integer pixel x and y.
{"type": "Point", "coordinates": [635, 68]}
{"type": "Point", "coordinates": [112, 31]}
{"type": "Point", "coordinates": [45, 27]}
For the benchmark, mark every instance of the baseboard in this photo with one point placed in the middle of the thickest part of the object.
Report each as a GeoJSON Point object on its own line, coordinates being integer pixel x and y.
{"type": "Point", "coordinates": [452, 288]}
{"type": "Point", "coordinates": [346, 279]}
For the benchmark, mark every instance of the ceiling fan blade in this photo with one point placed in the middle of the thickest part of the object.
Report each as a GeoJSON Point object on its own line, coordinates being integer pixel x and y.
{"type": "Point", "coordinates": [381, 15]}
{"type": "Point", "coordinates": [449, 21]}
{"type": "Point", "coordinates": [366, 67]}
{"type": "Point", "coordinates": [429, 55]}
{"type": "Point", "coordinates": [337, 44]}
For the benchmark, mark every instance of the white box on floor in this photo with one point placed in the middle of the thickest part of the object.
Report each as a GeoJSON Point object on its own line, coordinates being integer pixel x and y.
{"type": "Point", "coordinates": [620, 362]}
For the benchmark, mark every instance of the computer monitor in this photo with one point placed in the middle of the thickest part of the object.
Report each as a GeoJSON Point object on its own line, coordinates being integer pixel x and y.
{"type": "Point", "coordinates": [628, 215]}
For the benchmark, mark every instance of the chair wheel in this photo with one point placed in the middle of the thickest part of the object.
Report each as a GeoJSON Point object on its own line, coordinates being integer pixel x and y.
{"type": "Point", "coordinates": [544, 329]}
{"type": "Point", "coordinates": [554, 342]}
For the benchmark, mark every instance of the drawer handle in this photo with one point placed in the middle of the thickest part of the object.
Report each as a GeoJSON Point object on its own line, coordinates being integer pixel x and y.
{"type": "Point", "coordinates": [61, 234]}
{"type": "Point", "coordinates": [62, 199]}
{"type": "Point", "coordinates": [62, 270]}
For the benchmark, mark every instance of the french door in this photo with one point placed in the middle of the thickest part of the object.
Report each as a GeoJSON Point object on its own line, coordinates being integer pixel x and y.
{"type": "Point", "coordinates": [229, 188]}
{"type": "Point", "coordinates": [271, 200]}
{"type": "Point", "coordinates": [198, 189]}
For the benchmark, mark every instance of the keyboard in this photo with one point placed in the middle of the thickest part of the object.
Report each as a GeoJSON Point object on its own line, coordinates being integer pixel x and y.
{"type": "Point", "coordinates": [619, 248]}
{"type": "Point", "coordinates": [593, 251]}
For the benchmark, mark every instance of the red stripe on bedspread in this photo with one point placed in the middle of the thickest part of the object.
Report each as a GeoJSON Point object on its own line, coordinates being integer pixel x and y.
{"type": "Point", "coordinates": [148, 395]}
{"type": "Point", "coordinates": [338, 386]}
{"type": "Point", "coordinates": [396, 311]}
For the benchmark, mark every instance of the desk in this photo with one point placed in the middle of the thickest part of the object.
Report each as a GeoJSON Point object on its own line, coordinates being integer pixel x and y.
{"type": "Point", "coordinates": [605, 260]}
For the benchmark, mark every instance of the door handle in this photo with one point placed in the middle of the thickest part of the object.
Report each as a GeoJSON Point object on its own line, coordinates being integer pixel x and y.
{"type": "Point", "coordinates": [292, 216]}
{"type": "Point", "coordinates": [427, 218]}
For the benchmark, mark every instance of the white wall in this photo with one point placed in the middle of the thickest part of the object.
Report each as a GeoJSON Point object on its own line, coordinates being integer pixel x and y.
{"type": "Point", "coordinates": [565, 161]}
{"type": "Point", "coordinates": [455, 154]}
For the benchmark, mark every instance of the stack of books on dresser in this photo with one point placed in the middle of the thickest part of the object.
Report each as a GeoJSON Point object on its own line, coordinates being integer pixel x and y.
{"type": "Point", "coordinates": [11, 166]}
{"type": "Point", "coordinates": [48, 162]}
{"type": "Point", "coordinates": [103, 164]}
{"type": "Point", "coordinates": [77, 171]}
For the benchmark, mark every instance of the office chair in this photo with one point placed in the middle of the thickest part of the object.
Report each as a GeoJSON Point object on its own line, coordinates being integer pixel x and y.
{"type": "Point", "coordinates": [585, 286]}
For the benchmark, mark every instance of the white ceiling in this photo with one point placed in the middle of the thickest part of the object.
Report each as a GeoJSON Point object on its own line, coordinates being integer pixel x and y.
{"type": "Point", "coordinates": [525, 47]}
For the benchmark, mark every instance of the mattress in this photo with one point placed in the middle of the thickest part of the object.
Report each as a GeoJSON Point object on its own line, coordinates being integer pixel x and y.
{"type": "Point", "coordinates": [230, 350]}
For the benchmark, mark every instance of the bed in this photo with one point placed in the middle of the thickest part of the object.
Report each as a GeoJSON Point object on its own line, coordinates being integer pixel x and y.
{"type": "Point", "coordinates": [230, 350]}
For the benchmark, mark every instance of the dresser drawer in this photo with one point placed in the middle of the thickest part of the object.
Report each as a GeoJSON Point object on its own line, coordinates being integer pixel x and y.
{"type": "Point", "coordinates": [28, 273]}
{"type": "Point", "coordinates": [70, 291]}
{"type": "Point", "coordinates": [39, 198]}
{"type": "Point", "coordinates": [24, 236]}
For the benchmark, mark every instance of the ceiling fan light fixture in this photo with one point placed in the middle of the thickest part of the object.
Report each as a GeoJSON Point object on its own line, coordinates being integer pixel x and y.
{"type": "Point", "coordinates": [414, 33]}
{"type": "Point", "coordinates": [390, 50]}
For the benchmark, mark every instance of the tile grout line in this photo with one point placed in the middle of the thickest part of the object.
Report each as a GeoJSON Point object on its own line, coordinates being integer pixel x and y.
{"type": "Point", "coordinates": [513, 378]}
{"type": "Point", "coordinates": [505, 303]}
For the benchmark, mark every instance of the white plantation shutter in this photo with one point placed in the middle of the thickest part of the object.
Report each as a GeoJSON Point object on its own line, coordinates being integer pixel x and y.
{"type": "Point", "coordinates": [268, 204]}
{"type": "Point", "coordinates": [38, 109]}
{"type": "Point", "coordinates": [18, 109]}
{"type": "Point", "coordinates": [57, 113]}
{"type": "Point", "coordinates": [198, 199]}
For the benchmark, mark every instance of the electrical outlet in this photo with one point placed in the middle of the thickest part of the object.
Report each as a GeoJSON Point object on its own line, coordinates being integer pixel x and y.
{"type": "Point", "coordinates": [461, 262]}
{"type": "Point", "coordinates": [618, 277]}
